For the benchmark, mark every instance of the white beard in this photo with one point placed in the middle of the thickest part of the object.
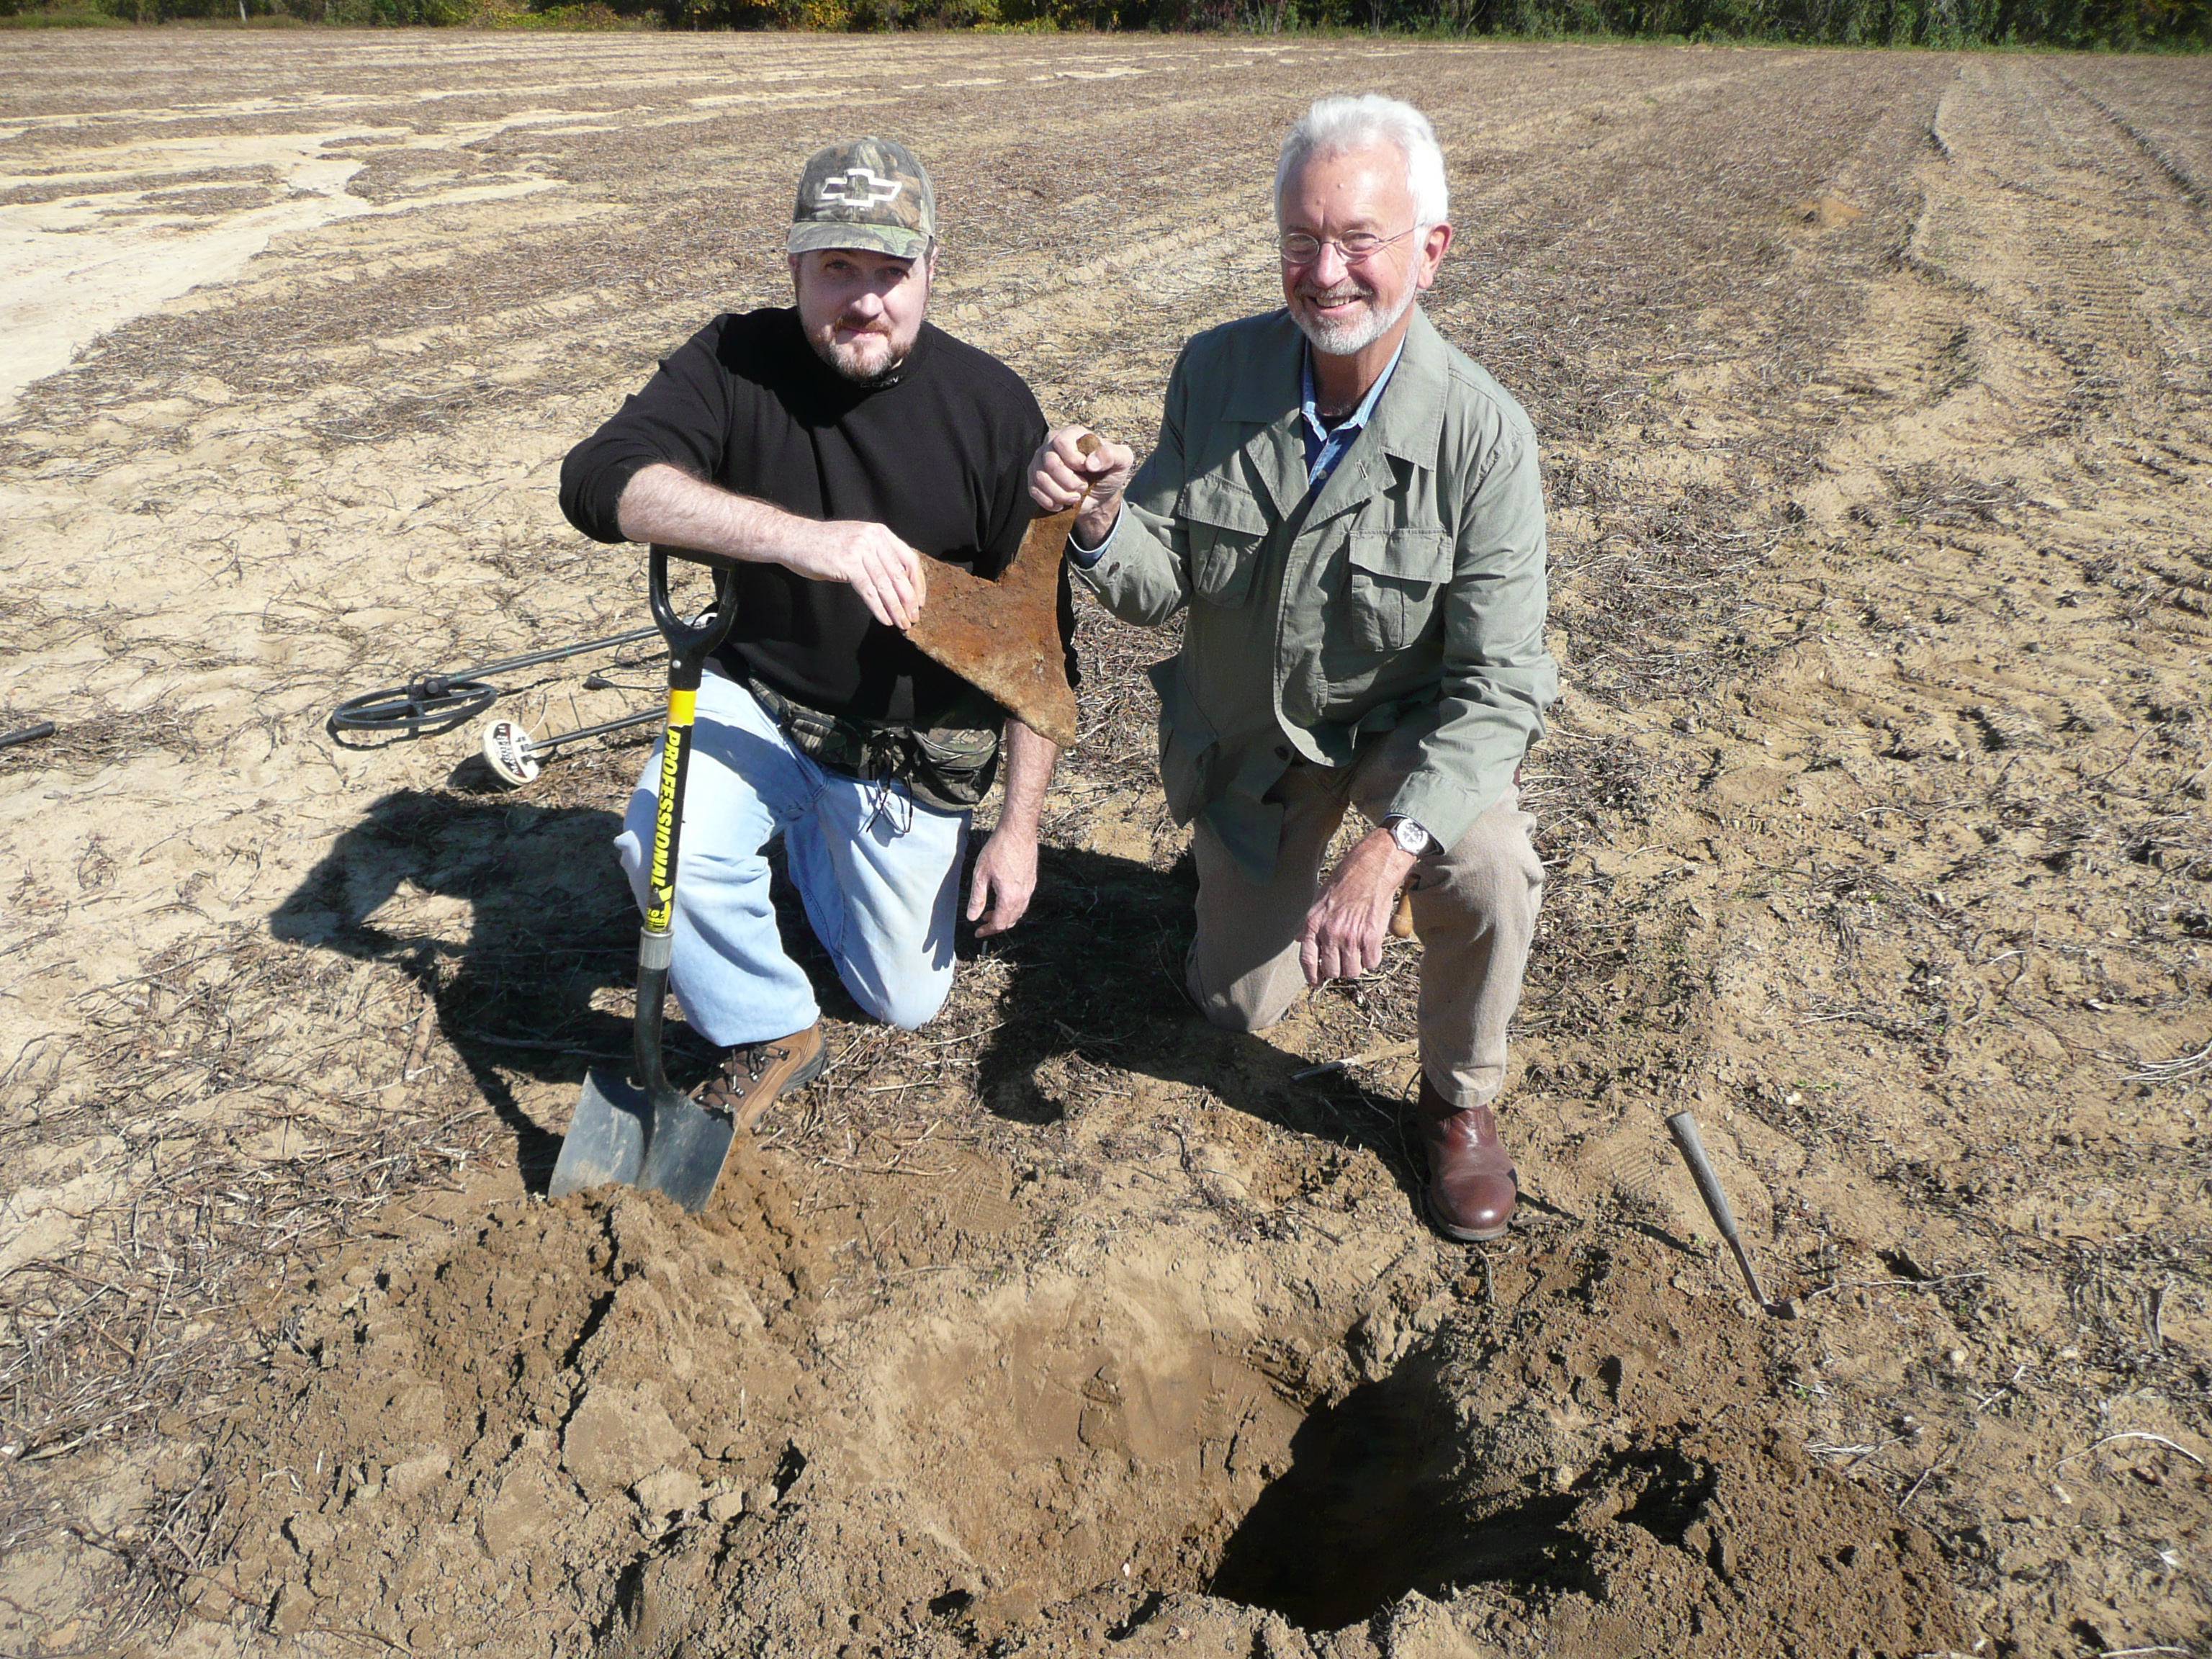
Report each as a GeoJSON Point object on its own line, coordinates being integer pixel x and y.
{"type": "Point", "coordinates": [1356, 334]}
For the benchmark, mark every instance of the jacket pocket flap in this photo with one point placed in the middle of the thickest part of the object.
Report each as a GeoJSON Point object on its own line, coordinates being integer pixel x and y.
{"type": "Point", "coordinates": [1410, 554]}
{"type": "Point", "coordinates": [1224, 502]}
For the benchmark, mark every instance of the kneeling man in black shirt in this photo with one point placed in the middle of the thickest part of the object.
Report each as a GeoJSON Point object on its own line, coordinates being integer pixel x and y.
{"type": "Point", "coordinates": [830, 450]}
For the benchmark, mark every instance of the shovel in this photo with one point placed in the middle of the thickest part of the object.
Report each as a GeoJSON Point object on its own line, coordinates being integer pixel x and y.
{"type": "Point", "coordinates": [645, 1134]}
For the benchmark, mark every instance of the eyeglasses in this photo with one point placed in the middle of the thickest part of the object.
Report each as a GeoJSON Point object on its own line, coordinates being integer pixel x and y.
{"type": "Point", "coordinates": [1300, 248]}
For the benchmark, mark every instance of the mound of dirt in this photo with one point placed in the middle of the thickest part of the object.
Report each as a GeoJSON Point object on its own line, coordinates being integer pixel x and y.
{"type": "Point", "coordinates": [536, 1403]}
{"type": "Point", "coordinates": [599, 1424]}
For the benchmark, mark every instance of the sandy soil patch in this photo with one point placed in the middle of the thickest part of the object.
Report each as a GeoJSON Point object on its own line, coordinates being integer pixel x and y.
{"type": "Point", "coordinates": [1877, 416]}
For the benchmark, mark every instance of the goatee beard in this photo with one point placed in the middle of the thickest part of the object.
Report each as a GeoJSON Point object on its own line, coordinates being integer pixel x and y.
{"type": "Point", "coordinates": [846, 370]}
{"type": "Point", "coordinates": [1346, 338]}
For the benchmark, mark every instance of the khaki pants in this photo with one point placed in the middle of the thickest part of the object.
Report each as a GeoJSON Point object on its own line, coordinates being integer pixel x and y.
{"type": "Point", "coordinates": [1475, 906]}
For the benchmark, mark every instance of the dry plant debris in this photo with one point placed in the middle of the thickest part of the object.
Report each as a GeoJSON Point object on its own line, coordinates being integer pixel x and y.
{"type": "Point", "coordinates": [1877, 416]}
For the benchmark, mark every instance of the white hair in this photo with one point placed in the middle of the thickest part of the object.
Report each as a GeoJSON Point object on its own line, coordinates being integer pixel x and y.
{"type": "Point", "coordinates": [1338, 126]}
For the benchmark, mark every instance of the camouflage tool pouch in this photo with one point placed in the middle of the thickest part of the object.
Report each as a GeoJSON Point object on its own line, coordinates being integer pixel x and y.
{"type": "Point", "coordinates": [948, 766]}
{"type": "Point", "coordinates": [827, 740]}
{"type": "Point", "coordinates": [951, 766]}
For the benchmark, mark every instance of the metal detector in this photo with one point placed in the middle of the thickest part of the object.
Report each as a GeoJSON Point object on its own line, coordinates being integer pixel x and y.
{"type": "Point", "coordinates": [643, 1133]}
{"type": "Point", "coordinates": [433, 703]}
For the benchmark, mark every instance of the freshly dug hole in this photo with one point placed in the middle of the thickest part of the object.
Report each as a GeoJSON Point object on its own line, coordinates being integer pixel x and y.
{"type": "Point", "coordinates": [1564, 1497]}
{"type": "Point", "coordinates": [599, 1422]}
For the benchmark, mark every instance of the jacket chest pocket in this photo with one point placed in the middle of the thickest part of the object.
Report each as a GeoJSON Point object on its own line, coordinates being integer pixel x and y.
{"type": "Point", "coordinates": [1223, 561]}
{"type": "Point", "coordinates": [1395, 579]}
{"type": "Point", "coordinates": [1228, 535]}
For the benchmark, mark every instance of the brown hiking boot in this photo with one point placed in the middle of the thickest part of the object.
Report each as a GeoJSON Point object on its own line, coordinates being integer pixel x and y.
{"type": "Point", "coordinates": [1471, 1190]}
{"type": "Point", "coordinates": [754, 1076]}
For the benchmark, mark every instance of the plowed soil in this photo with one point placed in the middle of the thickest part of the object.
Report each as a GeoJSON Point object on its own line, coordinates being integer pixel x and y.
{"type": "Point", "coordinates": [1877, 412]}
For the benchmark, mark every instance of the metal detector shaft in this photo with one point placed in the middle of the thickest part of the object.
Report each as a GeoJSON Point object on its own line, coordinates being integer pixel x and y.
{"type": "Point", "coordinates": [28, 734]}
{"type": "Point", "coordinates": [1684, 1128]}
{"type": "Point", "coordinates": [545, 746]}
{"type": "Point", "coordinates": [431, 703]}
{"type": "Point", "coordinates": [556, 655]}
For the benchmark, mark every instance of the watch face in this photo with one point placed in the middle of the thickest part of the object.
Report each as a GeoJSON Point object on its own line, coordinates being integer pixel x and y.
{"type": "Point", "coordinates": [1412, 838]}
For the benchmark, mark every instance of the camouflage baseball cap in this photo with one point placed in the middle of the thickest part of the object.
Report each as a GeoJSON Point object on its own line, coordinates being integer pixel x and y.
{"type": "Point", "coordinates": [866, 192]}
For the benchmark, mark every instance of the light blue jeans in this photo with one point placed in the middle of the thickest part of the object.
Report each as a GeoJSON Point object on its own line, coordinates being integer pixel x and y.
{"type": "Point", "coordinates": [878, 873]}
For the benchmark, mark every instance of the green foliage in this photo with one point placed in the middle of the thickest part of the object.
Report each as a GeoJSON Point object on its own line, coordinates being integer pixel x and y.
{"type": "Point", "coordinates": [2124, 25]}
{"type": "Point", "coordinates": [592, 14]}
{"type": "Point", "coordinates": [253, 13]}
{"type": "Point", "coordinates": [76, 17]}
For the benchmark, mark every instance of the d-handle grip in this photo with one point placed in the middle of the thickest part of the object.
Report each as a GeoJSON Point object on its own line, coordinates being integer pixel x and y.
{"type": "Point", "coordinates": [689, 642]}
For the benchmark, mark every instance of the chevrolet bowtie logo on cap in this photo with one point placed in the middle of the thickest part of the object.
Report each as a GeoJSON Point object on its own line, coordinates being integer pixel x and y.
{"type": "Point", "coordinates": [859, 186]}
{"type": "Point", "coordinates": [864, 193]}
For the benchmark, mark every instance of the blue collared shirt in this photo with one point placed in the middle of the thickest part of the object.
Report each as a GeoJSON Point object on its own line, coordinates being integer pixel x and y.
{"type": "Point", "coordinates": [1326, 447]}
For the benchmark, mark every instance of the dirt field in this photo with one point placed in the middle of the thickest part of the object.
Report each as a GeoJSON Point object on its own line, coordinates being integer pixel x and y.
{"type": "Point", "coordinates": [1877, 410]}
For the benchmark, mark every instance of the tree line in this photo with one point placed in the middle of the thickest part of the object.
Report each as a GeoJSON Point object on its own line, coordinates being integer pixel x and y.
{"type": "Point", "coordinates": [2122, 25]}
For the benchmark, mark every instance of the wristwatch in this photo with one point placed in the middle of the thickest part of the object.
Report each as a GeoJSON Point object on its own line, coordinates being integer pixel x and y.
{"type": "Point", "coordinates": [1411, 837]}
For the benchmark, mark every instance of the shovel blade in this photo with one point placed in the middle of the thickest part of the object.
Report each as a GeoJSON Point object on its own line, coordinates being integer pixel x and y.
{"type": "Point", "coordinates": [607, 1137]}
{"type": "Point", "coordinates": [658, 1140]}
{"type": "Point", "coordinates": [685, 1157]}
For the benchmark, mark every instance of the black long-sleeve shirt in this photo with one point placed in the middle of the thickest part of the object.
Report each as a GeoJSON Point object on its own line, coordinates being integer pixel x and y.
{"type": "Point", "coordinates": [940, 454]}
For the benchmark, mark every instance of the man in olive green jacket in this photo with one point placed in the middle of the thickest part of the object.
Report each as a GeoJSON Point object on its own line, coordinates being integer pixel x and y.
{"type": "Point", "coordinates": [1349, 511]}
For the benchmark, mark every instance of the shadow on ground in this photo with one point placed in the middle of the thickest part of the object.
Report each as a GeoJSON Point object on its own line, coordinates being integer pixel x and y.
{"type": "Point", "coordinates": [549, 922]}
{"type": "Point", "coordinates": [1374, 1504]}
{"type": "Point", "coordinates": [1093, 973]}
{"type": "Point", "coordinates": [1386, 1492]}
{"type": "Point", "coordinates": [1097, 980]}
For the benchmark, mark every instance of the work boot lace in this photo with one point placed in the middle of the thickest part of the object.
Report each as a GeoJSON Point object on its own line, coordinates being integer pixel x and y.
{"type": "Point", "coordinates": [742, 1068]}
{"type": "Point", "coordinates": [756, 1058]}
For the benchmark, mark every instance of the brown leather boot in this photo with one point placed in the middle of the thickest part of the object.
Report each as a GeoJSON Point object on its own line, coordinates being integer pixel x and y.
{"type": "Point", "coordinates": [754, 1076]}
{"type": "Point", "coordinates": [1471, 1187]}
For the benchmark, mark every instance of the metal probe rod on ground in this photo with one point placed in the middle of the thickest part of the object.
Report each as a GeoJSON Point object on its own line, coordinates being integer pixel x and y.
{"type": "Point", "coordinates": [29, 733]}
{"type": "Point", "coordinates": [1684, 1128]}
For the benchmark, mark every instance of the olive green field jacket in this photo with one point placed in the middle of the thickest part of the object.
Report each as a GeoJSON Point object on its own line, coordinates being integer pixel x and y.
{"type": "Point", "coordinates": [1402, 603]}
